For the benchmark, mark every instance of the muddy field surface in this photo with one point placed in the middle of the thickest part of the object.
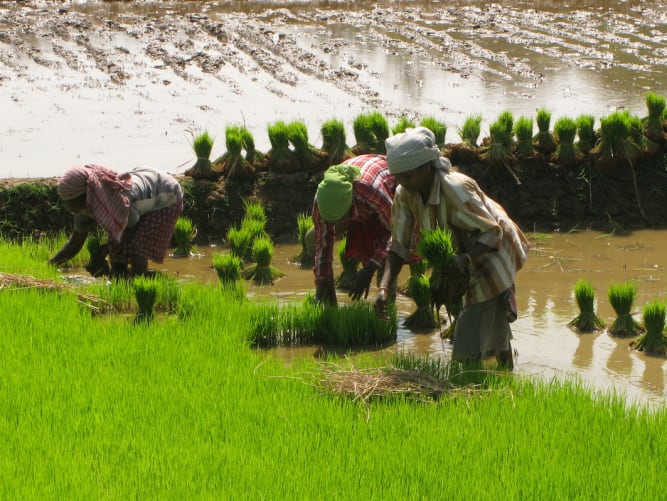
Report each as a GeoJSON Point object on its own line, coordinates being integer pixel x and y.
{"type": "Point", "coordinates": [128, 83]}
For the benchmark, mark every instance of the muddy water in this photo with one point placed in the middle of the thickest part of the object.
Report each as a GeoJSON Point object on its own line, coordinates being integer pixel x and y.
{"type": "Point", "coordinates": [545, 345]}
{"type": "Point", "coordinates": [128, 83]}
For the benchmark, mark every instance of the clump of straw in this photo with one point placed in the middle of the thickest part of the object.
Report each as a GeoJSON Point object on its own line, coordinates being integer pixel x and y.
{"type": "Point", "coordinates": [587, 320]}
{"type": "Point", "coordinates": [262, 271]}
{"type": "Point", "coordinates": [202, 144]}
{"type": "Point", "coordinates": [184, 234]}
{"type": "Point", "coordinates": [145, 292]}
{"type": "Point", "coordinates": [621, 298]}
{"type": "Point", "coordinates": [653, 340]}
{"type": "Point", "coordinates": [345, 279]}
{"type": "Point", "coordinates": [334, 142]}
{"type": "Point", "coordinates": [565, 131]}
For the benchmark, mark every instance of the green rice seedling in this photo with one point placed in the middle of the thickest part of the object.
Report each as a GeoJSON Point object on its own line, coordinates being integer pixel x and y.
{"type": "Point", "coordinates": [380, 128]}
{"type": "Point", "coordinates": [262, 271]}
{"type": "Point", "coordinates": [637, 135]}
{"type": "Point", "coordinates": [304, 223]}
{"type": "Point", "coordinates": [498, 153]}
{"type": "Point", "coordinates": [252, 155]}
{"type": "Point", "coordinates": [436, 247]}
{"type": "Point", "coordinates": [654, 121]}
{"type": "Point", "coordinates": [145, 292]}
{"type": "Point", "coordinates": [653, 341]}
{"type": "Point", "coordinates": [280, 157]}
{"type": "Point", "coordinates": [586, 133]}
{"type": "Point", "coordinates": [523, 131]}
{"type": "Point", "coordinates": [184, 235]}
{"type": "Point", "coordinates": [438, 128]}
{"type": "Point", "coordinates": [255, 227]}
{"type": "Point", "coordinates": [254, 211]}
{"type": "Point", "coordinates": [621, 298]}
{"type": "Point", "coordinates": [470, 130]}
{"type": "Point", "coordinates": [202, 144]}
{"type": "Point", "coordinates": [565, 131]}
{"type": "Point", "coordinates": [227, 267]}
{"type": "Point", "coordinates": [402, 125]}
{"type": "Point", "coordinates": [97, 265]}
{"type": "Point", "coordinates": [423, 318]}
{"type": "Point", "coordinates": [240, 241]}
{"type": "Point", "coordinates": [370, 131]}
{"type": "Point", "coordinates": [334, 142]}
{"type": "Point", "coordinates": [232, 163]}
{"type": "Point", "coordinates": [507, 119]}
{"type": "Point", "coordinates": [306, 155]}
{"type": "Point", "coordinates": [354, 325]}
{"type": "Point", "coordinates": [615, 144]}
{"type": "Point", "coordinates": [544, 141]}
{"type": "Point", "coordinates": [587, 320]}
{"type": "Point", "coordinates": [345, 279]}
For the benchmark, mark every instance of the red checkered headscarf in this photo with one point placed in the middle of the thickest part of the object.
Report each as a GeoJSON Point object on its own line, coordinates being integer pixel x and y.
{"type": "Point", "coordinates": [105, 195]}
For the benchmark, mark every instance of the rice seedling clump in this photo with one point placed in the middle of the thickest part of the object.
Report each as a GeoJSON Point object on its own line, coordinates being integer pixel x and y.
{"type": "Point", "coordinates": [587, 320]}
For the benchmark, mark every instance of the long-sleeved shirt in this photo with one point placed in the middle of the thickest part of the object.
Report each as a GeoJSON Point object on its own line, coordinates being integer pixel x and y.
{"type": "Point", "coordinates": [458, 203]}
{"type": "Point", "coordinates": [369, 226]}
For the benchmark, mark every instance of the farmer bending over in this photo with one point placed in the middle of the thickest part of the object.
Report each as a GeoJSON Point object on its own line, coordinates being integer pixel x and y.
{"type": "Point", "coordinates": [488, 243]}
{"type": "Point", "coordinates": [353, 198]}
{"type": "Point", "coordinates": [137, 209]}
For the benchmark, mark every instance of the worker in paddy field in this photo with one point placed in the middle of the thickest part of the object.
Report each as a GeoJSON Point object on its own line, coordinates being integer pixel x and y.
{"type": "Point", "coordinates": [137, 209]}
{"type": "Point", "coordinates": [354, 198]}
{"type": "Point", "coordinates": [488, 243]}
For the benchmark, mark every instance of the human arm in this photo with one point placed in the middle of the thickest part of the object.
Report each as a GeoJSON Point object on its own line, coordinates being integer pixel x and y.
{"type": "Point", "coordinates": [325, 235]}
{"type": "Point", "coordinates": [392, 268]}
{"type": "Point", "coordinates": [71, 248]}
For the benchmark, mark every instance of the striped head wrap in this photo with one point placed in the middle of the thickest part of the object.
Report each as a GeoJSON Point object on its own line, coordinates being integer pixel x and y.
{"type": "Point", "coordinates": [105, 195]}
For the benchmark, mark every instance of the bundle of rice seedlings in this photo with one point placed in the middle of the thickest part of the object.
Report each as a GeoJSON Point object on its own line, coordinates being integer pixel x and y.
{"type": "Point", "coordinates": [307, 156]}
{"type": "Point", "coordinates": [587, 320]}
{"type": "Point", "coordinates": [380, 127]}
{"type": "Point", "coordinates": [354, 324]}
{"type": "Point", "coordinates": [370, 131]}
{"type": "Point", "coordinates": [403, 124]}
{"type": "Point", "coordinates": [653, 340]}
{"type": "Point", "coordinates": [506, 118]}
{"type": "Point", "coordinates": [240, 241]}
{"type": "Point", "coordinates": [280, 157]}
{"type": "Point", "coordinates": [543, 140]}
{"type": "Point", "coordinates": [438, 128]}
{"type": "Point", "coordinates": [252, 155]}
{"type": "Point", "coordinates": [523, 131]}
{"type": "Point", "coordinates": [97, 265]}
{"type": "Point", "coordinates": [654, 122]}
{"type": "Point", "coordinates": [615, 145]}
{"type": "Point", "coordinates": [471, 129]}
{"type": "Point", "coordinates": [202, 144]}
{"type": "Point", "coordinates": [436, 247]}
{"type": "Point", "coordinates": [334, 142]}
{"type": "Point", "coordinates": [227, 267]}
{"type": "Point", "coordinates": [232, 163]}
{"type": "Point", "coordinates": [565, 131]}
{"type": "Point", "coordinates": [262, 271]}
{"type": "Point", "coordinates": [423, 318]}
{"type": "Point", "coordinates": [345, 279]}
{"type": "Point", "coordinates": [304, 222]}
{"type": "Point", "coordinates": [184, 234]}
{"type": "Point", "coordinates": [498, 152]}
{"type": "Point", "coordinates": [586, 133]}
{"type": "Point", "coordinates": [254, 211]}
{"type": "Point", "coordinates": [145, 292]}
{"type": "Point", "coordinates": [621, 298]}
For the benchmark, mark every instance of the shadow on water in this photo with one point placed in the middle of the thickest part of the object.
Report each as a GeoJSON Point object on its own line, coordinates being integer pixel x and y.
{"type": "Point", "coordinates": [546, 346]}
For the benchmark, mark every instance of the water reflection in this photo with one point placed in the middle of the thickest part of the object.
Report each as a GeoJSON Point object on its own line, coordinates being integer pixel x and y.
{"type": "Point", "coordinates": [545, 344]}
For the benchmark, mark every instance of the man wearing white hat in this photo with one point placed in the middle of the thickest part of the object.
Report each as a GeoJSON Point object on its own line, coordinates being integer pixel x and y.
{"type": "Point", "coordinates": [489, 244]}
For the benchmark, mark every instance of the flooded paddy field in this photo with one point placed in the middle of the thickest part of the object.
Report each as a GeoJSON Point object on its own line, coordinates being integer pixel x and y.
{"type": "Point", "coordinates": [127, 83]}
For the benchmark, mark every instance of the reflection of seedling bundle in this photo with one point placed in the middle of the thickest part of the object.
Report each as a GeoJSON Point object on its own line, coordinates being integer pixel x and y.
{"type": "Point", "coordinates": [145, 292]}
{"type": "Point", "coordinates": [587, 320]}
{"type": "Point", "coordinates": [447, 287]}
{"type": "Point", "coordinates": [543, 140]}
{"type": "Point", "coordinates": [370, 131]}
{"type": "Point", "coordinates": [350, 325]}
{"type": "Point", "coordinates": [184, 234]}
{"type": "Point", "coordinates": [565, 131]}
{"type": "Point", "coordinates": [423, 318]}
{"type": "Point", "coordinates": [261, 271]}
{"type": "Point", "coordinates": [202, 145]}
{"type": "Point", "coordinates": [333, 142]}
{"type": "Point", "coordinates": [345, 280]}
{"type": "Point", "coordinates": [438, 128]}
{"type": "Point", "coordinates": [304, 223]}
{"type": "Point", "coordinates": [621, 298]}
{"type": "Point", "coordinates": [653, 340]}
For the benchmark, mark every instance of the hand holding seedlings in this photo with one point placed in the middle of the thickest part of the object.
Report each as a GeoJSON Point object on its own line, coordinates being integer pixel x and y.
{"type": "Point", "coordinates": [362, 282]}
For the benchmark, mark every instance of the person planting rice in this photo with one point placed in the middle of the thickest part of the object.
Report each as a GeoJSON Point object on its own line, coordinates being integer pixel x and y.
{"type": "Point", "coordinates": [137, 209]}
{"type": "Point", "coordinates": [354, 198]}
{"type": "Point", "coordinates": [488, 244]}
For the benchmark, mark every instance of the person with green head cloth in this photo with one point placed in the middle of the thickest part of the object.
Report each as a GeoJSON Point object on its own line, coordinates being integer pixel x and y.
{"type": "Point", "coordinates": [353, 199]}
{"type": "Point", "coordinates": [489, 245]}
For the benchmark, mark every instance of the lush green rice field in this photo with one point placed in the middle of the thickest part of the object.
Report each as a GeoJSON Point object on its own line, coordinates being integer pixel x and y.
{"type": "Point", "coordinates": [100, 407]}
